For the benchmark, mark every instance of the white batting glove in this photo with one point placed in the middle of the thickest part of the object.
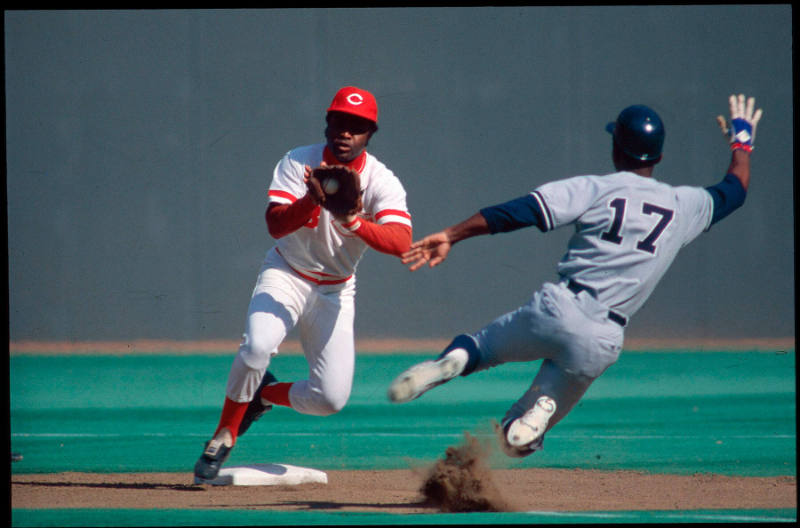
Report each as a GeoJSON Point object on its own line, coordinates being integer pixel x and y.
{"type": "Point", "coordinates": [742, 129]}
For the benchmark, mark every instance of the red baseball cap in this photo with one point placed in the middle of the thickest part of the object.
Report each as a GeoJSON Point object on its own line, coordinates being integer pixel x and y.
{"type": "Point", "coordinates": [352, 100]}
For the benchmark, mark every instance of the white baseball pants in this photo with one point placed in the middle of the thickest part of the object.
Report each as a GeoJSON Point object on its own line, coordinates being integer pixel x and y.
{"type": "Point", "coordinates": [324, 316]}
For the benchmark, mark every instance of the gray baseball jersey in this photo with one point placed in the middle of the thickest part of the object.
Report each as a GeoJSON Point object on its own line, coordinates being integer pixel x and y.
{"type": "Point", "coordinates": [628, 230]}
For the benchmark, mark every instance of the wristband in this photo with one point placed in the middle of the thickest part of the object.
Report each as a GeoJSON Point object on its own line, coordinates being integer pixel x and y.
{"type": "Point", "coordinates": [351, 226]}
{"type": "Point", "coordinates": [742, 146]}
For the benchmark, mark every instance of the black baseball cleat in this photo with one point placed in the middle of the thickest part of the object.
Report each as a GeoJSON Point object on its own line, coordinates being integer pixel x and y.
{"type": "Point", "coordinates": [256, 408]}
{"type": "Point", "coordinates": [215, 453]}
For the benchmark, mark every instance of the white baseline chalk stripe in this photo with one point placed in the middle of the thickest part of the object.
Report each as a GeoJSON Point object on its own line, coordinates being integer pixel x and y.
{"type": "Point", "coordinates": [677, 516]}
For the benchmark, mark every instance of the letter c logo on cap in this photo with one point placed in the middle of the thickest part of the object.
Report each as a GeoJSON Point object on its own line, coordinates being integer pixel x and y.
{"type": "Point", "coordinates": [355, 99]}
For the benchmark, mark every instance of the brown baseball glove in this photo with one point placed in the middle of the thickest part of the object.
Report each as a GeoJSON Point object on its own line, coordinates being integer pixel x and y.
{"type": "Point", "coordinates": [341, 187]}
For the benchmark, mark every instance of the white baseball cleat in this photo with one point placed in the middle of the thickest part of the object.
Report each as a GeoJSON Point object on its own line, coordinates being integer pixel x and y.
{"type": "Point", "coordinates": [424, 376]}
{"type": "Point", "coordinates": [530, 426]}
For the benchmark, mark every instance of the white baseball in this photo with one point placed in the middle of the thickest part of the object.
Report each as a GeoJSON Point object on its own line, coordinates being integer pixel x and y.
{"type": "Point", "coordinates": [330, 186]}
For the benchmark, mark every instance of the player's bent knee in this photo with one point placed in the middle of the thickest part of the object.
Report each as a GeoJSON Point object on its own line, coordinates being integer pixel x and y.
{"type": "Point", "coordinates": [256, 353]}
{"type": "Point", "coordinates": [594, 369]}
{"type": "Point", "coordinates": [326, 404]}
{"type": "Point", "coordinates": [589, 367]}
{"type": "Point", "coordinates": [243, 381]}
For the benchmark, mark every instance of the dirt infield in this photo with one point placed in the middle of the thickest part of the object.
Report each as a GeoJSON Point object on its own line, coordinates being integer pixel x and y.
{"type": "Point", "coordinates": [399, 491]}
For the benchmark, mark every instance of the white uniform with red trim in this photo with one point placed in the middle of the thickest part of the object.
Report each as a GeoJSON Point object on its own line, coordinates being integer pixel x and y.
{"type": "Point", "coordinates": [308, 280]}
{"type": "Point", "coordinates": [324, 250]}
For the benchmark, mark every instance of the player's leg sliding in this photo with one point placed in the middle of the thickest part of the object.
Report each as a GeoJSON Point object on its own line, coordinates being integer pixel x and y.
{"type": "Point", "coordinates": [459, 357]}
{"type": "Point", "coordinates": [424, 376]}
{"type": "Point", "coordinates": [523, 436]}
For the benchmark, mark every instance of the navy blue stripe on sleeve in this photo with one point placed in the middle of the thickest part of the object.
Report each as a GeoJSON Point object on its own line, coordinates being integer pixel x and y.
{"type": "Point", "coordinates": [548, 216]}
{"type": "Point", "coordinates": [728, 195]}
{"type": "Point", "coordinates": [515, 214]}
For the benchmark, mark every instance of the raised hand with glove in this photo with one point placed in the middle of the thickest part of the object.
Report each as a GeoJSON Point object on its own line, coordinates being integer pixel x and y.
{"type": "Point", "coordinates": [741, 130]}
{"type": "Point", "coordinates": [729, 194]}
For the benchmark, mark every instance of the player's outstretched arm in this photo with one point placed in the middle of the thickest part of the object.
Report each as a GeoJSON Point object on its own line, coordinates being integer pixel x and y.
{"type": "Point", "coordinates": [434, 248]}
{"type": "Point", "coordinates": [729, 194]}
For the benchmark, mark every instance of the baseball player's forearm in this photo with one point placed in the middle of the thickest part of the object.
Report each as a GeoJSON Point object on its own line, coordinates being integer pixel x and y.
{"type": "Point", "coordinates": [740, 166]}
{"type": "Point", "coordinates": [729, 194]}
{"type": "Point", "coordinates": [391, 238]}
{"type": "Point", "coordinates": [283, 219]}
{"type": "Point", "coordinates": [475, 225]}
{"type": "Point", "coordinates": [434, 248]}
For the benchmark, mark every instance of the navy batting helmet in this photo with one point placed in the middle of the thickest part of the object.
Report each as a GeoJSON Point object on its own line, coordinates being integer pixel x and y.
{"type": "Point", "coordinates": [638, 132]}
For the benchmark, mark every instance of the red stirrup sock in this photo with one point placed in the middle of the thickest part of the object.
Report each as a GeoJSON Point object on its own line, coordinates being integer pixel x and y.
{"type": "Point", "coordinates": [232, 414]}
{"type": "Point", "coordinates": [277, 393]}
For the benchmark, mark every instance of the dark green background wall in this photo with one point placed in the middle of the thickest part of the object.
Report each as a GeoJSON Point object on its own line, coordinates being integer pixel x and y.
{"type": "Point", "coordinates": [140, 145]}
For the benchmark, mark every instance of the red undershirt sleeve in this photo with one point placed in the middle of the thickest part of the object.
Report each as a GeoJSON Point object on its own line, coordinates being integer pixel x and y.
{"type": "Point", "coordinates": [391, 238]}
{"type": "Point", "coordinates": [283, 219]}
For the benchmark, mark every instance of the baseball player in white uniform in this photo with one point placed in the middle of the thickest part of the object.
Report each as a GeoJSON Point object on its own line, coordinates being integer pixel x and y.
{"type": "Point", "coordinates": [628, 229]}
{"type": "Point", "coordinates": [307, 279]}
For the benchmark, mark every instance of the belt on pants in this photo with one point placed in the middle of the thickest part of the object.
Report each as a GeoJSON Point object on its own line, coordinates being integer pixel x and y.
{"type": "Point", "coordinates": [576, 287]}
